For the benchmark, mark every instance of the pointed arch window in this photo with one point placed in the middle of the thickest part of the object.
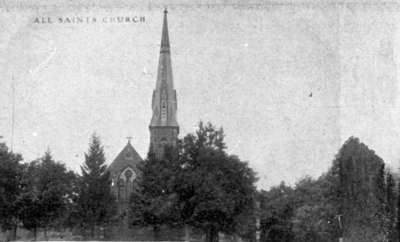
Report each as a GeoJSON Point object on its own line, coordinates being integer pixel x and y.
{"type": "Point", "coordinates": [125, 184]}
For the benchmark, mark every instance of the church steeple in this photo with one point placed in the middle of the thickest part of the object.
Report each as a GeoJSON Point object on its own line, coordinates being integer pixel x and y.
{"type": "Point", "coordinates": [165, 37]}
{"type": "Point", "coordinates": [164, 127]}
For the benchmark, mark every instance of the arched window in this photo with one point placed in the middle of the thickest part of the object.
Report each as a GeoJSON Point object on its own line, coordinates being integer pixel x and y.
{"type": "Point", "coordinates": [128, 174]}
{"type": "Point", "coordinates": [125, 184]}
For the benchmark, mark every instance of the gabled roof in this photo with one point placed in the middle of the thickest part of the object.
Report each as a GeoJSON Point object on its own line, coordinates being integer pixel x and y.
{"type": "Point", "coordinates": [127, 157]}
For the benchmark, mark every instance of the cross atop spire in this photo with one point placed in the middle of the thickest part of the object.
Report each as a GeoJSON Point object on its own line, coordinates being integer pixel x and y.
{"type": "Point", "coordinates": [129, 139]}
{"type": "Point", "coordinates": [165, 37]}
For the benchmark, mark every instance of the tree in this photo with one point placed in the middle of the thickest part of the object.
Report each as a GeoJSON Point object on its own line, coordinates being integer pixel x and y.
{"type": "Point", "coordinates": [391, 206]}
{"type": "Point", "coordinates": [47, 187]}
{"type": "Point", "coordinates": [307, 212]}
{"type": "Point", "coordinates": [196, 184]}
{"type": "Point", "coordinates": [29, 205]}
{"type": "Point", "coordinates": [277, 207]}
{"type": "Point", "coordinates": [155, 202]}
{"type": "Point", "coordinates": [95, 203]}
{"type": "Point", "coordinates": [361, 192]}
{"type": "Point", "coordinates": [316, 210]}
{"type": "Point", "coordinates": [10, 179]}
{"type": "Point", "coordinates": [354, 190]}
{"type": "Point", "coordinates": [214, 188]}
{"type": "Point", "coordinates": [398, 212]}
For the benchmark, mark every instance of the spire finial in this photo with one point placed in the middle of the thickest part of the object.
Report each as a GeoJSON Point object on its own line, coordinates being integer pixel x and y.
{"type": "Point", "coordinates": [165, 37]}
{"type": "Point", "coordinates": [129, 139]}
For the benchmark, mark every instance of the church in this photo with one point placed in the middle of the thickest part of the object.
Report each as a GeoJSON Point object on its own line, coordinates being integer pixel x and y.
{"type": "Point", "coordinates": [164, 128]}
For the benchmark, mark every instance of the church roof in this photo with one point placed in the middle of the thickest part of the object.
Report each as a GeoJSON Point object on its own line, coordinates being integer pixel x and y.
{"type": "Point", "coordinates": [127, 157]}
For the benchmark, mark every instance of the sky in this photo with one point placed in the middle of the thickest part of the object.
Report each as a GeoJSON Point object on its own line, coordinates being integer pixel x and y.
{"type": "Point", "coordinates": [288, 82]}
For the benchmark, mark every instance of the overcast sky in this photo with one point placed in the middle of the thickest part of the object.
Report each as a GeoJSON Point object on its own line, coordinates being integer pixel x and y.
{"type": "Point", "coordinates": [289, 83]}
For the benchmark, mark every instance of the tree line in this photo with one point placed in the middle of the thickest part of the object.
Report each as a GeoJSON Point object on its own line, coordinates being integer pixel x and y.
{"type": "Point", "coordinates": [197, 184]}
{"type": "Point", "coordinates": [357, 199]}
{"type": "Point", "coordinates": [44, 194]}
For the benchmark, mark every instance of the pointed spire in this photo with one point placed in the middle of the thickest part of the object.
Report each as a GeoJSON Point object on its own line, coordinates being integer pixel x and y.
{"type": "Point", "coordinates": [165, 37]}
{"type": "Point", "coordinates": [164, 128]}
{"type": "Point", "coordinates": [164, 102]}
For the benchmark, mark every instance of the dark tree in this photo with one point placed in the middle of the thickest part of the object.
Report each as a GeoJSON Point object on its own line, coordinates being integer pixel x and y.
{"type": "Point", "coordinates": [354, 200]}
{"type": "Point", "coordinates": [315, 213]}
{"type": "Point", "coordinates": [95, 203]}
{"type": "Point", "coordinates": [47, 188]}
{"type": "Point", "coordinates": [361, 192]}
{"type": "Point", "coordinates": [391, 206]}
{"type": "Point", "coordinates": [214, 188]}
{"type": "Point", "coordinates": [277, 209]}
{"type": "Point", "coordinates": [155, 203]}
{"type": "Point", "coordinates": [198, 184]}
{"type": "Point", "coordinates": [307, 212]}
{"type": "Point", "coordinates": [398, 212]}
{"type": "Point", "coordinates": [30, 207]}
{"type": "Point", "coordinates": [10, 178]}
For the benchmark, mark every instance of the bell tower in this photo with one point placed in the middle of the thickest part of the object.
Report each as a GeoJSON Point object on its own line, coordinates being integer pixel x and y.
{"type": "Point", "coordinates": [164, 127]}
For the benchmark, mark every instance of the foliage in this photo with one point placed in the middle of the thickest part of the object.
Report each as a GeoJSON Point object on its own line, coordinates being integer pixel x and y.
{"type": "Point", "coordinates": [10, 177]}
{"type": "Point", "coordinates": [391, 206]}
{"type": "Point", "coordinates": [95, 203]}
{"type": "Point", "coordinates": [304, 213]}
{"type": "Point", "coordinates": [398, 213]}
{"type": "Point", "coordinates": [215, 188]}
{"type": "Point", "coordinates": [316, 210]}
{"type": "Point", "coordinates": [155, 203]}
{"type": "Point", "coordinates": [45, 193]}
{"type": "Point", "coordinates": [356, 191]}
{"type": "Point", "coordinates": [198, 184]}
{"type": "Point", "coordinates": [276, 214]}
{"type": "Point", "coordinates": [362, 192]}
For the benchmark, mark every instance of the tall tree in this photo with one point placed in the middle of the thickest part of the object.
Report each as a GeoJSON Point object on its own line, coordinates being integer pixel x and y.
{"type": "Point", "coordinates": [199, 185]}
{"type": "Point", "coordinates": [10, 178]}
{"type": "Point", "coordinates": [155, 202]}
{"type": "Point", "coordinates": [215, 188]}
{"type": "Point", "coordinates": [95, 203]}
{"type": "Point", "coordinates": [47, 188]}
{"type": "Point", "coordinates": [361, 192]}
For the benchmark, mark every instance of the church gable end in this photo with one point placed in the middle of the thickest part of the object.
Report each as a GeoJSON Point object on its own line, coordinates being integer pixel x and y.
{"type": "Point", "coordinates": [124, 173]}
